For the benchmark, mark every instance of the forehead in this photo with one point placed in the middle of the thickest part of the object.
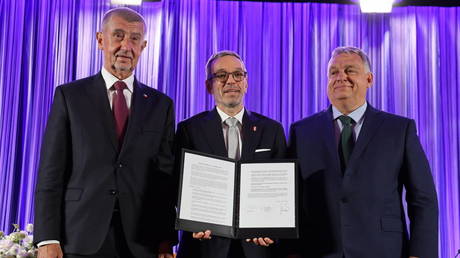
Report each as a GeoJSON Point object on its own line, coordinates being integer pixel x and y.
{"type": "Point", "coordinates": [346, 59]}
{"type": "Point", "coordinates": [227, 63]}
{"type": "Point", "coordinates": [116, 22]}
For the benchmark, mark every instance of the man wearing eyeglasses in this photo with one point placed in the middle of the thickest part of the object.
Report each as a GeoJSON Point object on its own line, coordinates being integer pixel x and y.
{"type": "Point", "coordinates": [229, 130]}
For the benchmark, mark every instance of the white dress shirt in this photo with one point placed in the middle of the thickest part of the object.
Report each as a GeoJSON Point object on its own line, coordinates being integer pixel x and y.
{"type": "Point", "coordinates": [110, 80]}
{"type": "Point", "coordinates": [357, 115]}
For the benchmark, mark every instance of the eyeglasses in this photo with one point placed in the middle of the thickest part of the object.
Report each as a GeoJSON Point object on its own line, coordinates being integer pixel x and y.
{"type": "Point", "coordinates": [223, 76]}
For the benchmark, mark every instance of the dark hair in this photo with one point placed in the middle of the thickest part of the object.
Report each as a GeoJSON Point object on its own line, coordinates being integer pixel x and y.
{"type": "Point", "coordinates": [353, 50]}
{"type": "Point", "coordinates": [126, 13]}
{"type": "Point", "coordinates": [218, 55]}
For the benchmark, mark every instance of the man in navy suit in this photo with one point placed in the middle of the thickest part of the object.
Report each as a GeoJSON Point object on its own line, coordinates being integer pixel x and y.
{"type": "Point", "coordinates": [105, 176]}
{"type": "Point", "coordinates": [355, 162]}
{"type": "Point", "coordinates": [258, 137]}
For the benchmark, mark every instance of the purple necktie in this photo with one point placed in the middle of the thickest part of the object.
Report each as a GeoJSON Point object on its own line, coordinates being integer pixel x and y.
{"type": "Point", "coordinates": [120, 110]}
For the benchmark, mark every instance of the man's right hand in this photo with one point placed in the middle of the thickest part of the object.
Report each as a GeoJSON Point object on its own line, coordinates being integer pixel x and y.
{"type": "Point", "coordinates": [202, 235]}
{"type": "Point", "coordinates": [50, 251]}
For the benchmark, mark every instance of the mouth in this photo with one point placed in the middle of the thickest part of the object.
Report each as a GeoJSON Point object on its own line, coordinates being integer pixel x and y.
{"type": "Point", "coordinates": [124, 57]}
{"type": "Point", "coordinates": [339, 87]}
{"type": "Point", "coordinates": [231, 91]}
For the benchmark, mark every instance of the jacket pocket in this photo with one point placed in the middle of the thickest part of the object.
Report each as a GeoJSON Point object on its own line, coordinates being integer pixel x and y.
{"type": "Point", "coordinates": [391, 224]}
{"type": "Point", "coordinates": [73, 194]}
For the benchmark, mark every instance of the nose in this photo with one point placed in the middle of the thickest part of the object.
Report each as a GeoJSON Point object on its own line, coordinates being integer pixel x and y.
{"type": "Point", "coordinates": [126, 44]}
{"type": "Point", "coordinates": [230, 79]}
{"type": "Point", "coordinates": [341, 76]}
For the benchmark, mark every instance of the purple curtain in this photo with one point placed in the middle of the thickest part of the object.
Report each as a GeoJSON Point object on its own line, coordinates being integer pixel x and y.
{"type": "Point", "coordinates": [415, 52]}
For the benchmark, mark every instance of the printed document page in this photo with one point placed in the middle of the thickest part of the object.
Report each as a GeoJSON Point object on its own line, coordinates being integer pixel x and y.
{"type": "Point", "coordinates": [267, 195]}
{"type": "Point", "coordinates": [207, 190]}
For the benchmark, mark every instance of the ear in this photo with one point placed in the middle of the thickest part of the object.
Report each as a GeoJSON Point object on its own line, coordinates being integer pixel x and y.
{"type": "Point", "coordinates": [246, 84]}
{"type": "Point", "coordinates": [209, 86]}
{"type": "Point", "coordinates": [144, 44]}
{"type": "Point", "coordinates": [370, 79]}
{"type": "Point", "coordinates": [99, 39]}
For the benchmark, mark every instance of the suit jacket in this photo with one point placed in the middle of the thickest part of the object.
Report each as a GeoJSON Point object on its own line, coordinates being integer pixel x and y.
{"type": "Point", "coordinates": [203, 133]}
{"type": "Point", "coordinates": [82, 171]}
{"type": "Point", "coordinates": [359, 213]}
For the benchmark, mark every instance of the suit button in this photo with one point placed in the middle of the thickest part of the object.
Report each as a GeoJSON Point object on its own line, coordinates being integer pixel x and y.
{"type": "Point", "coordinates": [344, 199]}
{"type": "Point", "coordinates": [113, 192]}
{"type": "Point", "coordinates": [120, 165]}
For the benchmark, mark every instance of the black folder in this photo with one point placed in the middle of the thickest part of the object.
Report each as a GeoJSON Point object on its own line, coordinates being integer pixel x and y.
{"type": "Point", "coordinates": [234, 230]}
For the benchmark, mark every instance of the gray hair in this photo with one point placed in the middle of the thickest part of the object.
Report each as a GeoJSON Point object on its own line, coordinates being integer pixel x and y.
{"type": "Point", "coordinates": [126, 13]}
{"type": "Point", "coordinates": [353, 50]}
{"type": "Point", "coordinates": [218, 55]}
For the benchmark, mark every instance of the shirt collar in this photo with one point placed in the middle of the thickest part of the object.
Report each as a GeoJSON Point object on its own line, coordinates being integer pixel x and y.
{"type": "Point", "coordinates": [356, 115]}
{"type": "Point", "coordinates": [224, 116]}
{"type": "Point", "coordinates": [110, 79]}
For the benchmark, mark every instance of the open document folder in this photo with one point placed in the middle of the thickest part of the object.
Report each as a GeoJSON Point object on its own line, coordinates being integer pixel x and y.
{"type": "Point", "coordinates": [237, 199]}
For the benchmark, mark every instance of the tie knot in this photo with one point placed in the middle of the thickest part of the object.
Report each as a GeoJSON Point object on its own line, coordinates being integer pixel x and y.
{"type": "Point", "coordinates": [346, 120]}
{"type": "Point", "coordinates": [231, 121]}
{"type": "Point", "coordinates": [119, 85]}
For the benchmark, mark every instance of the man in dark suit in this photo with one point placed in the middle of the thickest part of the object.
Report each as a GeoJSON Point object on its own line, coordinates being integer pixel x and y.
{"type": "Point", "coordinates": [355, 162]}
{"type": "Point", "coordinates": [249, 137]}
{"type": "Point", "coordinates": [105, 175]}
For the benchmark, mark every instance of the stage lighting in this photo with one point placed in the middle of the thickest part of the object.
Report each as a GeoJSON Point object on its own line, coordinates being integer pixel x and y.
{"type": "Point", "coordinates": [376, 6]}
{"type": "Point", "coordinates": [127, 2]}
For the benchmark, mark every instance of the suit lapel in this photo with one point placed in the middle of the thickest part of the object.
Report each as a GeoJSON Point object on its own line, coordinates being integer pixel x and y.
{"type": "Point", "coordinates": [97, 93]}
{"type": "Point", "coordinates": [329, 137]}
{"type": "Point", "coordinates": [251, 133]}
{"type": "Point", "coordinates": [372, 121]}
{"type": "Point", "coordinates": [212, 129]}
{"type": "Point", "coordinates": [139, 105]}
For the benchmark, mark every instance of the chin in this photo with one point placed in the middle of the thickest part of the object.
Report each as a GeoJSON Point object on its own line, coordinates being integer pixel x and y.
{"type": "Point", "coordinates": [232, 104]}
{"type": "Point", "coordinates": [341, 95]}
{"type": "Point", "coordinates": [124, 68]}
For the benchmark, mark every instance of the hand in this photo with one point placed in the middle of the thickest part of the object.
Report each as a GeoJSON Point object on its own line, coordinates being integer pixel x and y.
{"type": "Point", "coordinates": [262, 241]}
{"type": "Point", "coordinates": [50, 251]}
{"type": "Point", "coordinates": [165, 249]}
{"type": "Point", "coordinates": [202, 235]}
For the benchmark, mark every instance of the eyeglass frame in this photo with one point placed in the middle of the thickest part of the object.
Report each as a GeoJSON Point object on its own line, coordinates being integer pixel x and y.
{"type": "Point", "coordinates": [227, 76]}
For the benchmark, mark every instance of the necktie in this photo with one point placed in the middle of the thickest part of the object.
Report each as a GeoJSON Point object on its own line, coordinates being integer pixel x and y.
{"type": "Point", "coordinates": [120, 110]}
{"type": "Point", "coordinates": [346, 140]}
{"type": "Point", "coordinates": [233, 132]}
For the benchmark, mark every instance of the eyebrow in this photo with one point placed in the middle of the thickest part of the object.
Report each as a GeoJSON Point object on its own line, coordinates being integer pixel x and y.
{"type": "Point", "coordinates": [123, 31]}
{"type": "Point", "coordinates": [351, 66]}
{"type": "Point", "coordinates": [223, 70]}
{"type": "Point", "coordinates": [118, 30]}
{"type": "Point", "coordinates": [346, 67]}
{"type": "Point", "coordinates": [136, 34]}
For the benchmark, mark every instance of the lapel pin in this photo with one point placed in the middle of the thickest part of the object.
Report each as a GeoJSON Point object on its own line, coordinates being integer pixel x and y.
{"type": "Point", "coordinates": [254, 128]}
{"type": "Point", "coordinates": [145, 96]}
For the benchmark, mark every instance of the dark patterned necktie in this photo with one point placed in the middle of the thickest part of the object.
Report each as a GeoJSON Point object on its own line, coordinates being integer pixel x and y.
{"type": "Point", "coordinates": [120, 110]}
{"type": "Point", "coordinates": [347, 141]}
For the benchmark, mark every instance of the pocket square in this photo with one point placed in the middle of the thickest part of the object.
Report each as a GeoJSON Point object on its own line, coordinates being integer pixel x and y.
{"type": "Point", "coordinates": [261, 150]}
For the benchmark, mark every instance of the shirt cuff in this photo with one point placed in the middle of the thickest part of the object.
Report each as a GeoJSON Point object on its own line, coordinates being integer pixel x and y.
{"type": "Point", "coordinates": [47, 242]}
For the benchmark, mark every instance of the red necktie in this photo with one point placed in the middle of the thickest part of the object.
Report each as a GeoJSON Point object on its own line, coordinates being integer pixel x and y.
{"type": "Point", "coordinates": [120, 110]}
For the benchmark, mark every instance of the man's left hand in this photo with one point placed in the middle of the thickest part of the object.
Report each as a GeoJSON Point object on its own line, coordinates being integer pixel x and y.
{"type": "Point", "coordinates": [262, 241]}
